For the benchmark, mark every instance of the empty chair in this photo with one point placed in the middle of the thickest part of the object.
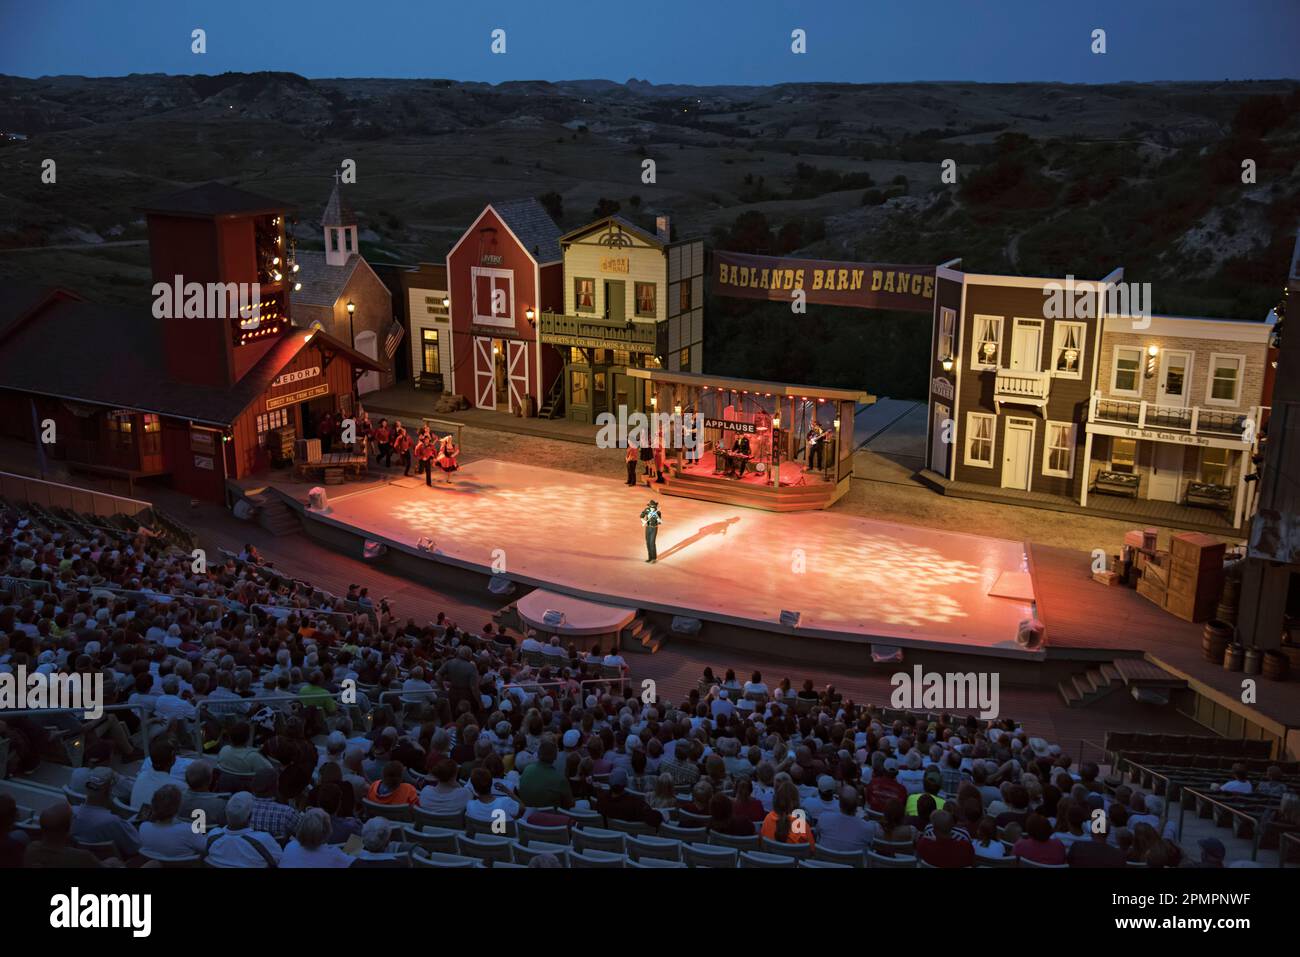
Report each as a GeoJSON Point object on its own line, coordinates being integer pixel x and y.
{"type": "Point", "coordinates": [880, 860]}
{"type": "Point", "coordinates": [749, 842]}
{"type": "Point", "coordinates": [687, 819]}
{"type": "Point", "coordinates": [707, 855]}
{"type": "Point", "coordinates": [696, 835]}
{"type": "Point", "coordinates": [650, 862]}
{"type": "Point", "coordinates": [585, 817]}
{"type": "Point", "coordinates": [454, 822]}
{"type": "Point", "coordinates": [435, 859]}
{"type": "Point", "coordinates": [628, 827]}
{"type": "Point", "coordinates": [504, 828]}
{"type": "Point", "coordinates": [813, 862]}
{"type": "Point", "coordinates": [596, 859]}
{"type": "Point", "coordinates": [1026, 862]}
{"type": "Point", "coordinates": [847, 858]}
{"type": "Point", "coordinates": [664, 848]}
{"type": "Point", "coordinates": [557, 834]}
{"type": "Point", "coordinates": [598, 839]}
{"type": "Point", "coordinates": [394, 812]}
{"type": "Point", "coordinates": [523, 853]}
{"type": "Point", "coordinates": [485, 847]}
{"type": "Point", "coordinates": [760, 859]}
{"type": "Point", "coordinates": [432, 839]}
{"type": "Point", "coordinates": [797, 851]}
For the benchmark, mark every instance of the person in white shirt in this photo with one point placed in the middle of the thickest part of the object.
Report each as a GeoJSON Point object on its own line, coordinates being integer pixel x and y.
{"type": "Point", "coordinates": [823, 799]}
{"type": "Point", "coordinates": [912, 777]}
{"type": "Point", "coordinates": [162, 755]}
{"type": "Point", "coordinates": [1240, 783]}
{"type": "Point", "coordinates": [170, 706]}
{"type": "Point", "coordinates": [487, 805]}
{"type": "Point", "coordinates": [614, 660]}
{"type": "Point", "coordinates": [755, 686]}
{"type": "Point", "coordinates": [415, 690]}
{"type": "Point", "coordinates": [308, 847]}
{"type": "Point", "coordinates": [722, 706]}
{"type": "Point", "coordinates": [163, 834]}
{"type": "Point", "coordinates": [238, 845]}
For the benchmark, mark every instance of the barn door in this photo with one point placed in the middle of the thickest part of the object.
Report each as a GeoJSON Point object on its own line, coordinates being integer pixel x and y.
{"type": "Point", "coordinates": [517, 373]}
{"type": "Point", "coordinates": [484, 374]}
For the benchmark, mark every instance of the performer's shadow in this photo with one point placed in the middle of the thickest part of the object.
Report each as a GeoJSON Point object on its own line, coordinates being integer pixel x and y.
{"type": "Point", "coordinates": [716, 528]}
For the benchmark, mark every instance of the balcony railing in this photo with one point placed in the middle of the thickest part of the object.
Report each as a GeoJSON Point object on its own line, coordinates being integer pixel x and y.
{"type": "Point", "coordinates": [597, 332]}
{"type": "Point", "coordinates": [1194, 420]}
{"type": "Point", "coordinates": [1016, 387]}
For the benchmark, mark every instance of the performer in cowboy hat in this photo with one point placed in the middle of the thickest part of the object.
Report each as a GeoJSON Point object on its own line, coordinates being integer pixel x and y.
{"type": "Point", "coordinates": [651, 519]}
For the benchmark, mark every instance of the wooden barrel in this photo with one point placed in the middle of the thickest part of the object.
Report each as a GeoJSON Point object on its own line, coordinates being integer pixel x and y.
{"type": "Point", "coordinates": [1234, 657]}
{"type": "Point", "coordinates": [1252, 662]}
{"type": "Point", "coordinates": [1227, 608]}
{"type": "Point", "coordinates": [1214, 640]}
{"type": "Point", "coordinates": [1276, 665]}
{"type": "Point", "coordinates": [1292, 652]}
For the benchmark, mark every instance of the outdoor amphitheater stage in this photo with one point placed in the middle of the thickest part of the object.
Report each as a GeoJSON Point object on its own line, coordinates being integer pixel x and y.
{"type": "Point", "coordinates": [851, 579]}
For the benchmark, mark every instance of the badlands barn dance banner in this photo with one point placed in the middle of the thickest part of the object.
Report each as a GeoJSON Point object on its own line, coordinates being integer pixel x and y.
{"type": "Point", "coordinates": [864, 285]}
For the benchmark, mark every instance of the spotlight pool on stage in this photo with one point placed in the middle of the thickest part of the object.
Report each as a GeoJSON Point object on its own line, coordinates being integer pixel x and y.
{"type": "Point", "coordinates": [849, 576]}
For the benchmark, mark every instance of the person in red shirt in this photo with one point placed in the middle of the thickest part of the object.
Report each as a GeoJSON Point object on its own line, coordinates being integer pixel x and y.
{"type": "Point", "coordinates": [391, 789]}
{"type": "Point", "coordinates": [884, 788]}
{"type": "Point", "coordinates": [424, 453]}
{"type": "Point", "coordinates": [1038, 845]}
{"type": "Point", "coordinates": [383, 444]}
{"type": "Point", "coordinates": [402, 446]}
{"type": "Point", "coordinates": [938, 848]}
{"type": "Point", "coordinates": [746, 807]}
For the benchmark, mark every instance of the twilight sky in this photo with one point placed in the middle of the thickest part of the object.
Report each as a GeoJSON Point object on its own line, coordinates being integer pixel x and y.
{"type": "Point", "coordinates": [664, 41]}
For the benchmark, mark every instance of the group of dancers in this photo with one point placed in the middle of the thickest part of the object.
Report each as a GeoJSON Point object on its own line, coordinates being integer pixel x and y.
{"type": "Point", "coordinates": [425, 451]}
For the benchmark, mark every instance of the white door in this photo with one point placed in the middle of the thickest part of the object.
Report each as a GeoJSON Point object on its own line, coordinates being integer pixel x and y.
{"type": "Point", "coordinates": [1175, 374]}
{"type": "Point", "coordinates": [938, 447]}
{"type": "Point", "coordinates": [1027, 346]}
{"type": "Point", "coordinates": [517, 372]}
{"type": "Point", "coordinates": [484, 374]}
{"type": "Point", "coordinates": [368, 345]}
{"type": "Point", "coordinates": [1017, 453]}
{"type": "Point", "coordinates": [1166, 472]}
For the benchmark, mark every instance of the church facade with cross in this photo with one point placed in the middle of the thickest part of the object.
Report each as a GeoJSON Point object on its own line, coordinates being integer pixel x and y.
{"type": "Point", "coordinates": [339, 293]}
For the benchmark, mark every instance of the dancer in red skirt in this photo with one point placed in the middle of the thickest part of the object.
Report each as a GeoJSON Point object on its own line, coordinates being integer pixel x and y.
{"type": "Point", "coordinates": [447, 452]}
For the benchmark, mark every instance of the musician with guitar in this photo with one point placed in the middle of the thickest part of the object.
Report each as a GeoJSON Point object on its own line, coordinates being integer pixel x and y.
{"type": "Point", "coordinates": [816, 445]}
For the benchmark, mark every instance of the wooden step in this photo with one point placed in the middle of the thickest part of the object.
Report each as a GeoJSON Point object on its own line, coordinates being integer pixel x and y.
{"type": "Point", "coordinates": [1109, 672]}
{"type": "Point", "coordinates": [1069, 694]}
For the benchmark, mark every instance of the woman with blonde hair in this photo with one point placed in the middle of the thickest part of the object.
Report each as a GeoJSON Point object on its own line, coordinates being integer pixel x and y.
{"type": "Point", "coordinates": [664, 796]}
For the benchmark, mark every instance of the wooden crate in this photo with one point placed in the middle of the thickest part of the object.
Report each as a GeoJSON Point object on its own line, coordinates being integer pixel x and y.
{"type": "Point", "coordinates": [1197, 550]}
{"type": "Point", "coordinates": [1151, 587]}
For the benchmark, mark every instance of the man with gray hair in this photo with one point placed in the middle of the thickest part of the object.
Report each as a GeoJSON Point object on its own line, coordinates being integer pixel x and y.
{"type": "Point", "coordinates": [237, 844]}
{"type": "Point", "coordinates": [308, 847]}
{"type": "Point", "coordinates": [199, 797]}
{"type": "Point", "coordinates": [376, 841]}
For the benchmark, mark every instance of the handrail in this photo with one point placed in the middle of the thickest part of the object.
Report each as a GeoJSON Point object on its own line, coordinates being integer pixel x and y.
{"type": "Point", "coordinates": [125, 706]}
{"type": "Point", "coordinates": [1256, 821]}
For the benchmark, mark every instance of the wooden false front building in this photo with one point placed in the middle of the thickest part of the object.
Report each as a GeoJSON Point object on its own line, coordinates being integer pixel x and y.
{"type": "Point", "coordinates": [799, 439]}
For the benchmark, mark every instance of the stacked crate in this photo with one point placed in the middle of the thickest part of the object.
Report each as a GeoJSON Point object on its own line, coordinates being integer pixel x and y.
{"type": "Point", "coordinates": [1195, 580]}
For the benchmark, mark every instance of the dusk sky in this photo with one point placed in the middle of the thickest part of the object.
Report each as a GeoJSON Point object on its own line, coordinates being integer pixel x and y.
{"type": "Point", "coordinates": [665, 41]}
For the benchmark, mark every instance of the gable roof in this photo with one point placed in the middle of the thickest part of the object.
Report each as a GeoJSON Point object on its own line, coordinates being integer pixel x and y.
{"type": "Point", "coordinates": [19, 301]}
{"type": "Point", "coordinates": [617, 222]}
{"type": "Point", "coordinates": [338, 212]}
{"type": "Point", "coordinates": [211, 200]}
{"type": "Point", "coordinates": [119, 362]}
{"type": "Point", "coordinates": [532, 226]}
{"type": "Point", "coordinates": [322, 284]}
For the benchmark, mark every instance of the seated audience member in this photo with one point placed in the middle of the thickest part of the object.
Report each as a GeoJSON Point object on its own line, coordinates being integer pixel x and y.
{"type": "Point", "coordinates": [308, 847]}
{"type": "Point", "coordinates": [391, 789]}
{"type": "Point", "coordinates": [162, 755]}
{"type": "Point", "coordinates": [939, 848]}
{"type": "Point", "coordinates": [95, 822]}
{"type": "Point", "coordinates": [377, 842]}
{"type": "Point", "coordinates": [445, 795]}
{"type": "Point", "coordinates": [164, 834]}
{"type": "Point", "coordinates": [487, 805]}
{"type": "Point", "coordinates": [542, 784]}
{"type": "Point", "coordinates": [238, 844]}
{"type": "Point", "coordinates": [237, 757]}
{"type": "Point", "coordinates": [843, 829]}
{"type": "Point", "coordinates": [198, 796]}
{"type": "Point", "coordinates": [1096, 851]}
{"type": "Point", "coordinates": [787, 824]}
{"type": "Point", "coordinates": [723, 820]}
{"type": "Point", "coordinates": [1240, 782]}
{"type": "Point", "coordinates": [1039, 844]}
{"type": "Point", "coordinates": [985, 843]}
{"type": "Point", "coordinates": [746, 807]}
{"type": "Point", "coordinates": [618, 805]}
{"type": "Point", "coordinates": [54, 848]}
{"type": "Point", "coordinates": [1212, 853]}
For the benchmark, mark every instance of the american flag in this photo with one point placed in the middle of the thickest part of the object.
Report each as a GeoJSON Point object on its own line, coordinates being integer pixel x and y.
{"type": "Point", "coordinates": [393, 339]}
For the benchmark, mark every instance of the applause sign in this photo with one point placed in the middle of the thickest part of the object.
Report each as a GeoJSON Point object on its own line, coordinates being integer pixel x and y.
{"type": "Point", "coordinates": [863, 285]}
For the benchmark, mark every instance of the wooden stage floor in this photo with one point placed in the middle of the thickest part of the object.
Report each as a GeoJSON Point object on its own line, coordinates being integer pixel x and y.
{"type": "Point", "coordinates": [851, 578]}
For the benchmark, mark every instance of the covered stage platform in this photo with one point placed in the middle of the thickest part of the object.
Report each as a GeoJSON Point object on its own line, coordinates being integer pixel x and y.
{"type": "Point", "coordinates": [850, 578]}
{"type": "Point", "coordinates": [768, 445]}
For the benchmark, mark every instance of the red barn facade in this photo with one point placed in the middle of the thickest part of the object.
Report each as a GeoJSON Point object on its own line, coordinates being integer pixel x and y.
{"type": "Point", "coordinates": [503, 273]}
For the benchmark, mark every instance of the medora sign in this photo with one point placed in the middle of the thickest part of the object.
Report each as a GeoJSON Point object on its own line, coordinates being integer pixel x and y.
{"type": "Point", "coordinates": [864, 285]}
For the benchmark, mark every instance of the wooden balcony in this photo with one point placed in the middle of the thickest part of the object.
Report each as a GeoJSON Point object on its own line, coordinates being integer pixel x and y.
{"type": "Point", "coordinates": [1192, 420]}
{"type": "Point", "coordinates": [1017, 387]}
{"type": "Point", "coordinates": [597, 332]}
